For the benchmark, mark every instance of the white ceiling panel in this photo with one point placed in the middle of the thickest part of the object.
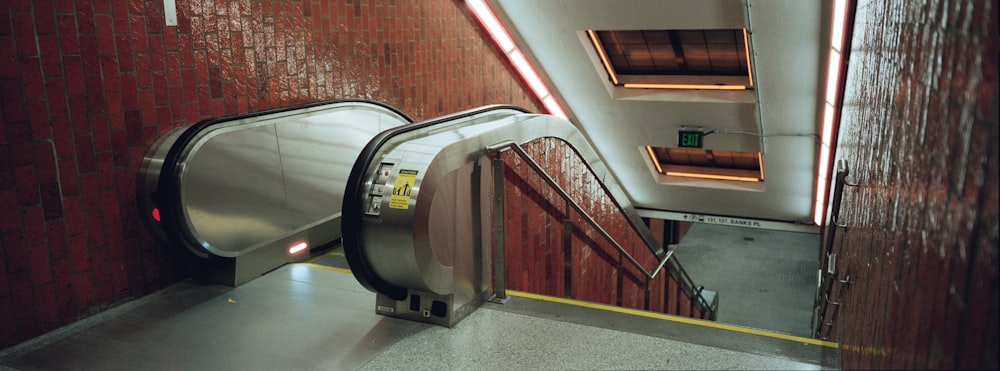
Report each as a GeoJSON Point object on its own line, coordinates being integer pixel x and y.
{"type": "Point", "coordinates": [788, 40]}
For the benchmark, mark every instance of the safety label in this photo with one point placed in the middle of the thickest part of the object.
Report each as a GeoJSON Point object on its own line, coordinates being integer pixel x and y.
{"type": "Point", "coordinates": [400, 198]}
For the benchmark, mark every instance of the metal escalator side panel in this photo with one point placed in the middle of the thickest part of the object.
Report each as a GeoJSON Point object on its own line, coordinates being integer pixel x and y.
{"type": "Point", "coordinates": [148, 199]}
{"type": "Point", "coordinates": [230, 186]}
{"type": "Point", "coordinates": [429, 232]}
{"type": "Point", "coordinates": [390, 236]}
{"type": "Point", "coordinates": [232, 191]}
{"type": "Point", "coordinates": [369, 262]}
{"type": "Point", "coordinates": [441, 222]}
{"type": "Point", "coordinates": [426, 220]}
{"type": "Point", "coordinates": [168, 189]}
{"type": "Point", "coordinates": [409, 215]}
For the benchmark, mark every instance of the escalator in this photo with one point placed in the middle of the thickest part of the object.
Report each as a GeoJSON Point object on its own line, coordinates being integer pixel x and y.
{"type": "Point", "coordinates": [246, 194]}
{"type": "Point", "coordinates": [412, 203]}
{"type": "Point", "coordinates": [417, 215]}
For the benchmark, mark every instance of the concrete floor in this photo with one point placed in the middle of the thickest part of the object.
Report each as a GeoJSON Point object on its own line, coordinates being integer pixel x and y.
{"type": "Point", "coordinates": [765, 279]}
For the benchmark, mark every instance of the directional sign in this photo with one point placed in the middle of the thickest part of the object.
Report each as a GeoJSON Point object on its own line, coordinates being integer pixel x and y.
{"type": "Point", "coordinates": [730, 221]}
{"type": "Point", "coordinates": [721, 220]}
{"type": "Point", "coordinates": [400, 198]}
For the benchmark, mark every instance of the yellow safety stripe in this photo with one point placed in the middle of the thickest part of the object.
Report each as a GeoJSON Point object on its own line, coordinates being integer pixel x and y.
{"type": "Point", "coordinates": [642, 313]}
{"type": "Point", "coordinates": [327, 268]}
{"type": "Point", "coordinates": [690, 321]}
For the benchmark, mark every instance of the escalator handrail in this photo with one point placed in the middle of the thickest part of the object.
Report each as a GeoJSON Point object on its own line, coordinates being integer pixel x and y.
{"type": "Point", "coordinates": [352, 213]}
{"type": "Point", "coordinates": [168, 197]}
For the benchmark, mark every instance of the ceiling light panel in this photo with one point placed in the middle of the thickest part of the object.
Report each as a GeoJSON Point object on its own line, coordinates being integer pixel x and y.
{"type": "Point", "coordinates": [707, 163]}
{"type": "Point", "coordinates": [655, 59]}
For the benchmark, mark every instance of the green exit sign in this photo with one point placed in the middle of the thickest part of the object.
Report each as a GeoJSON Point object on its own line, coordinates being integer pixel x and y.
{"type": "Point", "coordinates": [689, 139]}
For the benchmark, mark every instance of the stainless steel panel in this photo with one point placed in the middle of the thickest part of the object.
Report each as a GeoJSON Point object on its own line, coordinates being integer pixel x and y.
{"type": "Point", "coordinates": [149, 175]}
{"type": "Point", "coordinates": [316, 155]}
{"type": "Point", "coordinates": [267, 181]}
{"type": "Point", "coordinates": [232, 190]}
{"type": "Point", "coordinates": [397, 242]}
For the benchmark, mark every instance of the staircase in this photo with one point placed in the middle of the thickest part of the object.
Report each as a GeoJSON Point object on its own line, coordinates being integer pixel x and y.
{"type": "Point", "coordinates": [565, 235]}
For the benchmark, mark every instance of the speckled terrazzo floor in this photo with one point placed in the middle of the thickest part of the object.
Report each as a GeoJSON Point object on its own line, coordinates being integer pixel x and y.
{"type": "Point", "coordinates": [492, 339]}
{"type": "Point", "coordinates": [309, 316]}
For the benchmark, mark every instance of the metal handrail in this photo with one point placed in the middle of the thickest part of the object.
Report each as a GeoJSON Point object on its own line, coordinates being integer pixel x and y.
{"type": "Point", "coordinates": [686, 280]}
{"type": "Point", "coordinates": [499, 147]}
{"type": "Point", "coordinates": [836, 221]}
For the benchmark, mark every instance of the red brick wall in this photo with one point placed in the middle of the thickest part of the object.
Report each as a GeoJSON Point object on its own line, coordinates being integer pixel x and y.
{"type": "Point", "coordinates": [920, 135]}
{"type": "Point", "coordinates": [535, 254]}
{"type": "Point", "coordinates": [88, 85]}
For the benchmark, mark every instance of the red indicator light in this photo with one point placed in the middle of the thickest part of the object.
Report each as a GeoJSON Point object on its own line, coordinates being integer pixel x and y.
{"type": "Point", "coordinates": [156, 214]}
{"type": "Point", "coordinates": [297, 248]}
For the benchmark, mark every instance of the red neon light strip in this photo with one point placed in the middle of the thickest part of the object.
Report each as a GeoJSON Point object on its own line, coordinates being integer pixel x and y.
{"type": "Point", "coordinates": [489, 21]}
{"type": "Point", "coordinates": [830, 114]}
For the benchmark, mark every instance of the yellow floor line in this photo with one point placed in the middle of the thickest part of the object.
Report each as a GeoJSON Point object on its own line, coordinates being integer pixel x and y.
{"type": "Point", "coordinates": [691, 321]}
{"type": "Point", "coordinates": [326, 267]}
{"type": "Point", "coordinates": [321, 256]}
{"type": "Point", "coordinates": [641, 313]}
{"type": "Point", "coordinates": [314, 259]}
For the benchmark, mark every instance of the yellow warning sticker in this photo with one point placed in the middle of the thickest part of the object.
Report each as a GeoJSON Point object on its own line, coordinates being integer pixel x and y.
{"type": "Point", "coordinates": [400, 198]}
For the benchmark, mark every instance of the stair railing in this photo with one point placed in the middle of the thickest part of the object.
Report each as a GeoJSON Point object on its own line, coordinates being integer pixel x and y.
{"type": "Point", "coordinates": [823, 322]}
{"type": "Point", "coordinates": [493, 151]}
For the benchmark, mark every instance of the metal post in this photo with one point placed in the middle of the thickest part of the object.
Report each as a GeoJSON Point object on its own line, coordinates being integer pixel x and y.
{"type": "Point", "coordinates": [499, 267]}
{"type": "Point", "coordinates": [621, 277]}
{"type": "Point", "coordinates": [479, 269]}
{"type": "Point", "coordinates": [567, 242]}
{"type": "Point", "coordinates": [646, 299]}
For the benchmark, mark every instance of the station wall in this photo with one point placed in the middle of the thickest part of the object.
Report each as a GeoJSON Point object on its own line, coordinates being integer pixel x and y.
{"type": "Point", "coordinates": [88, 85]}
{"type": "Point", "coordinates": [919, 134]}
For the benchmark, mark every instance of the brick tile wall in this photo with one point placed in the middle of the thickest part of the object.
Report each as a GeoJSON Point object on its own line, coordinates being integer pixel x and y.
{"type": "Point", "coordinates": [86, 86]}
{"type": "Point", "coordinates": [536, 257]}
{"type": "Point", "coordinates": [919, 132]}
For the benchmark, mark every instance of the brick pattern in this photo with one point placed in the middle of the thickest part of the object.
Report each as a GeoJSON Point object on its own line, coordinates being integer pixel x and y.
{"type": "Point", "coordinates": [539, 261]}
{"type": "Point", "coordinates": [86, 86]}
{"type": "Point", "coordinates": [919, 132]}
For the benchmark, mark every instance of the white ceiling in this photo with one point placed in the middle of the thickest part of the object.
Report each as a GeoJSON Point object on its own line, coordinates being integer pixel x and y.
{"type": "Point", "coordinates": [788, 40]}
